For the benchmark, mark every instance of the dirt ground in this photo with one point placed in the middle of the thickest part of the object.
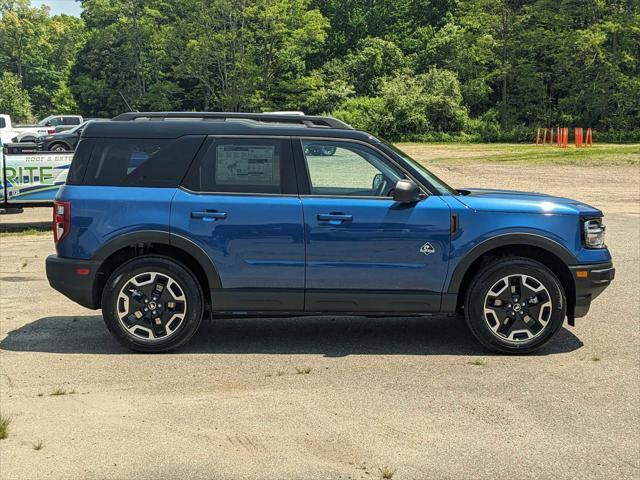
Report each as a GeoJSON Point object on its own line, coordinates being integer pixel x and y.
{"type": "Point", "coordinates": [414, 396]}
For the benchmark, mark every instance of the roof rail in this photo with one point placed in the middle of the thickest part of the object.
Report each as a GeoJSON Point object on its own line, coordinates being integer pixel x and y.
{"type": "Point", "coordinates": [308, 120]}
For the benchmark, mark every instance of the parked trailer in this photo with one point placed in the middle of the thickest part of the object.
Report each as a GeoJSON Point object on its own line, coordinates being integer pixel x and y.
{"type": "Point", "coordinates": [32, 179]}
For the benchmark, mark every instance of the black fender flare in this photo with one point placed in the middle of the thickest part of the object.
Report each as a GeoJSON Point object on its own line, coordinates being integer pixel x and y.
{"type": "Point", "coordinates": [504, 240]}
{"type": "Point", "coordinates": [159, 237]}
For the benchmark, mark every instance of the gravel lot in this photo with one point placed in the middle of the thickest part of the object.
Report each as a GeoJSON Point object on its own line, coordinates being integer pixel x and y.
{"type": "Point", "coordinates": [418, 396]}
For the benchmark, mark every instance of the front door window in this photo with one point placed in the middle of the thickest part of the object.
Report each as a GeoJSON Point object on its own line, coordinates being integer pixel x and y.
{"type": "Point", "coordinates": [348, 169]}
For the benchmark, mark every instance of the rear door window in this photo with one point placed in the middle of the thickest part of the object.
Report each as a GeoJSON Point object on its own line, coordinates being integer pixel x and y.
{"type": "Point", "coordinates": [244, 165]}
{"type": "Point", "coordinates": [141, 162]}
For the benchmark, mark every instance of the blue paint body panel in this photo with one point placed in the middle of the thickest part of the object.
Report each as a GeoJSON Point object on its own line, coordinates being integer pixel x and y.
{"type": "Point", "coordinates": [488, 213]}
{"type": "Point", "coordinates": [379, 249]}
{"type": "Point", "coordinates": [101, 214]}
{"type": "Point", "coordinates": [260, 243]}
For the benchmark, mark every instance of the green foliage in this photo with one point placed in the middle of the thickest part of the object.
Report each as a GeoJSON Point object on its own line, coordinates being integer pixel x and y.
{"type": "Point", "coordinates": [14, 100]}
{"type": "Point", "coordinates": [365, 113]}
{"type": "Point", "coordinates": [490, 70]}
{"type": "Point", "coordinates": [373, 60]}
{"type": "Point", "coordinates": [40, 50]}
{"type": "Point", "coordinates": [409, 105]}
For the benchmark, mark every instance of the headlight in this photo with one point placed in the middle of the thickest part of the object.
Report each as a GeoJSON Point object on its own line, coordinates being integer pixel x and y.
{"type": "Point", "coordinates": [593, 233]}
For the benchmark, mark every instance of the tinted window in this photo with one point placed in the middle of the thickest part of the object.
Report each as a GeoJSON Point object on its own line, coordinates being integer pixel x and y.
{"type": "Point", "coordinates": [80, 161]}
{"type": "Point", "coordinates": [71, 120]}
{"type": "Point", "coordinates": [342, 168]}
{"type": "Point", "coordinates": [241, 165]}
{"type": "Point", "coordinates": [140, 162]}
{"type": "Point", "coordinates": [3, 123]}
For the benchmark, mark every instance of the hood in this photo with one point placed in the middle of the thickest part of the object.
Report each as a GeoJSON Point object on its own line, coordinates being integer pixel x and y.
{"type": "Point", "coordinates": [488, 200]}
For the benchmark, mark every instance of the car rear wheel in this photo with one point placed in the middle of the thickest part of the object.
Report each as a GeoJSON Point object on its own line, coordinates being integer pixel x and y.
{"type": "Point", "coordinates": [152, 304]}
{"type": "Point", "coordinates": [515, 305]}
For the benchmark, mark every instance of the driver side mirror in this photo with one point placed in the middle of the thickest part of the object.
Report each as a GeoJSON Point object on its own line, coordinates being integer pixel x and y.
{"type": "Point", "coordinates": [406, 191]}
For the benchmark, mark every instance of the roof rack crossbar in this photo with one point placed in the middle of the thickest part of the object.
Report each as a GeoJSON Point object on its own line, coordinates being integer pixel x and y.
{"type": "Point", "coordinates": [308, 120]}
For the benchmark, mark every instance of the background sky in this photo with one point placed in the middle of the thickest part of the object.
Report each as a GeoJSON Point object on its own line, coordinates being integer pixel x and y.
{"type": "Point", "coordinates": [70, 7]}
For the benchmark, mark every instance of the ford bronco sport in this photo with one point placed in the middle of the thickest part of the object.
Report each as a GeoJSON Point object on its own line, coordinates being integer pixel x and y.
{"type": "Point", "coordinates": [166, 217]}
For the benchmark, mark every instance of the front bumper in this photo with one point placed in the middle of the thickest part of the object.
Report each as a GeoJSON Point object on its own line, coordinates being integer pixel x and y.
{"type": "Point", "coordinates": [69, 276]}
{"type": "Point", "coordinates": [590, 281]}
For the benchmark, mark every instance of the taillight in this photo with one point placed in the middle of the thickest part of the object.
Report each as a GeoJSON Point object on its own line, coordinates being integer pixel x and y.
{"type": "Point", "coordinates": [61, 219]}
{"type": "Point", "coordinates": [51, 131]}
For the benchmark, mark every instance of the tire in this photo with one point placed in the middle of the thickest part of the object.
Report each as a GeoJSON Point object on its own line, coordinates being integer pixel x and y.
{"type": "Point", "coordinates": [505, 325]}
{"type": "Point", "coordinates": [58, 147]}
{"type": "Point", "coordinates": [134, 286]}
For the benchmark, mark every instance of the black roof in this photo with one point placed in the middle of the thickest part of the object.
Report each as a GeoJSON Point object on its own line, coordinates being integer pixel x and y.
{"type": "Point", "coordinates": [178, 124]}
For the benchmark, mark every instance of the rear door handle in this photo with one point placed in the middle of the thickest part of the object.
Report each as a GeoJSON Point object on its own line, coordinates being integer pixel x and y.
{"type": "Point", "coordinates": [209, 215]}
{"type": "Point", "coordinates": [334, 217]}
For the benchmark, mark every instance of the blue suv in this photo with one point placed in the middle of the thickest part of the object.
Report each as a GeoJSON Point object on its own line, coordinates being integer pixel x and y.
{"type": "Point", "coordinates": [166, 217]}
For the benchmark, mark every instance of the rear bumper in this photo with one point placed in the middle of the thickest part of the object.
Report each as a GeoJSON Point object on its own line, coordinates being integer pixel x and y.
{"type": "Point", "coordinates": [63, 276]}
{"type": "Point", "coordinates": [590, 284]}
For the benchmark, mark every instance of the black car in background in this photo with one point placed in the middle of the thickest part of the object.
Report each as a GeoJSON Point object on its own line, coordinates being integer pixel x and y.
{"type": "Point", "coordinates": [62, 141]}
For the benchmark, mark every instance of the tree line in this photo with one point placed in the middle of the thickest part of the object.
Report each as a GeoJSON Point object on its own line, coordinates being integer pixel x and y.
{"type": "Point", "coordinates": [489, 70]}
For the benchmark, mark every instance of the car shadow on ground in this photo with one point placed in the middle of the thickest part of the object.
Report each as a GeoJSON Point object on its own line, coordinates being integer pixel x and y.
{"type": "Point", "coordinates": [329, 336]}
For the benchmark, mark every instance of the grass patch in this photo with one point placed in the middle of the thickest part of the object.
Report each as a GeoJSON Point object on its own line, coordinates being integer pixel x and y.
{"type": "Point", "coordinates": [59, 391]}
{"type": "Point", "coordinates": [477, 362]}
{"type": "Point", "coordinates": [303, 370]}
{"type": "Point", "coordinates": [4, 426]}
{"type": "Point", "coordinates": [25, 233]}
{"type": "Point", "coordinates": [513, 153]}
{"type": "Point", "coordinates": [38, 445]}
{"type": "Point", "coordinates": [387, 472]}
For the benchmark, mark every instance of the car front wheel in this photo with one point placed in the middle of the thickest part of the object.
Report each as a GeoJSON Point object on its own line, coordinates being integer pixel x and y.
{"type": "Point", "coordinates": [58, 147]}
{"type": "Point", "coordinates": [152, 304]}
{"type": "Point", "coordinates": [515, 305]}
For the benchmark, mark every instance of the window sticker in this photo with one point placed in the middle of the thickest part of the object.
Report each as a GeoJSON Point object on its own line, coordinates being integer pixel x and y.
{"type": "Point", "coordinates": [241, 165]}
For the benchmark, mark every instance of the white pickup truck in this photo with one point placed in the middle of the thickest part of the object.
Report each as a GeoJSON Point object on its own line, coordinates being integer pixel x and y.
{"type": "Point", "coordinates": [28, 133]}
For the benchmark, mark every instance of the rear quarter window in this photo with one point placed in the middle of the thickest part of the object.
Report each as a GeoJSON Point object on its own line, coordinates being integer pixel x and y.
{"type": "Point", "coordinates": [144, 162]}
{"type": "Point", "coordinates": [80, 161]}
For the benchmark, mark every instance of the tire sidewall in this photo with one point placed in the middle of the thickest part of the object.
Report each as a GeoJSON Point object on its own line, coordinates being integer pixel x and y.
{"type": "Point", "coordinates": [179, 273]}
{"type": "Point", "coordinates": [487, 277]}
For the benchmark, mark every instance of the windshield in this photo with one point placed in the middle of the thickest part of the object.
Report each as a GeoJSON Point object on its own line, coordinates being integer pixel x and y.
{"type": "Point", "coordinates": [438, 184]}
{"type": "Point", "coordinates": [76, 128]}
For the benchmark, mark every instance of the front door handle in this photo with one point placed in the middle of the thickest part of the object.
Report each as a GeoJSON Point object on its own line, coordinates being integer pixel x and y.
{"type": "Point", "coordinates": [209, 215]}
{"type": "Point", "coordinates": [334, 217]}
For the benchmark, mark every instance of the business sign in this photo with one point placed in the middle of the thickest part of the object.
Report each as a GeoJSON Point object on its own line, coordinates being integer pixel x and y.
{"type": "Point", "coordinates": [33, 177]}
